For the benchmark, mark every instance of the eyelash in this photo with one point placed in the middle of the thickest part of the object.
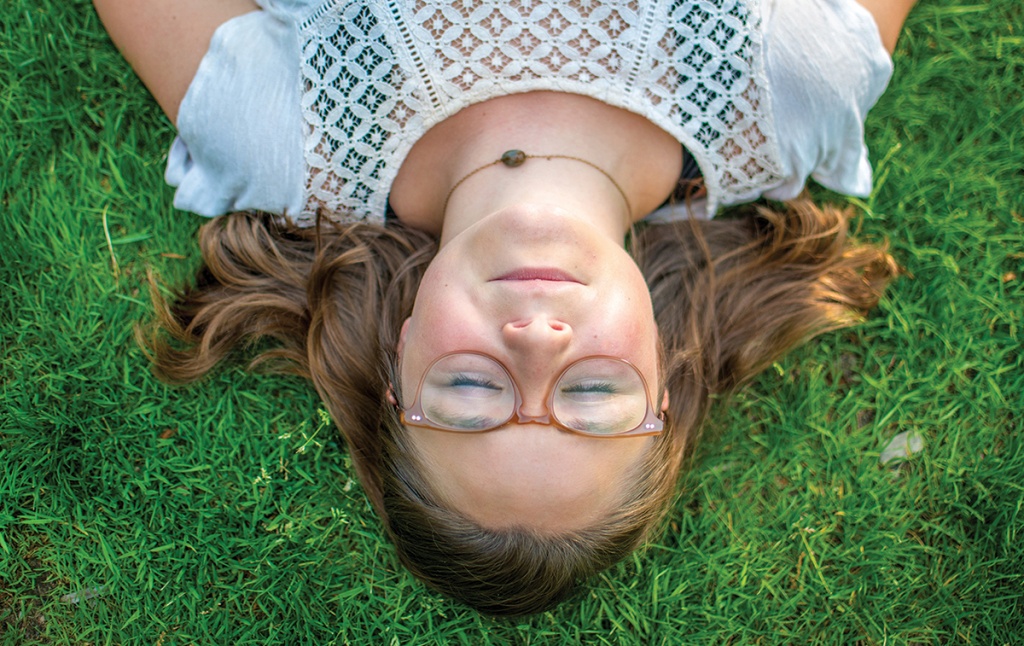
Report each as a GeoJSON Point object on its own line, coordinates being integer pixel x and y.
{"type": "Point", "coordinates": [599, 387]}
{"type": "Point", "coordinates": [463, 380]}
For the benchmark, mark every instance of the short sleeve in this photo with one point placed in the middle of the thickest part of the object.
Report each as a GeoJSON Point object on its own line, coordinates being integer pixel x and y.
{"type": "Point", "coordinates": [239, 144]}
{"type": "Point", "coordinates": [826, 67]}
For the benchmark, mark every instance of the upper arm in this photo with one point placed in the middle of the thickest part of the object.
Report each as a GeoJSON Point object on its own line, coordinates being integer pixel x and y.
{"type": "Point", "coordinates": [889, 16]}
{"type": "Point", "coordinates": [165, 40]}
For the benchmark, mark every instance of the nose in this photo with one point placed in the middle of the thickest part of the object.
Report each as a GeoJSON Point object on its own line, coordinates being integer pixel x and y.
{"type": "Point", "coordinates": [537, 344]}
{"type": "Point", "coordinates": [538, 336]}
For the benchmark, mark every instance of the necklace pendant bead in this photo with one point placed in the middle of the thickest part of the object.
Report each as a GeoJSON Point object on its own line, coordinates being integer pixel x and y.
{"type": "Point", "coordinates": [513, 158]}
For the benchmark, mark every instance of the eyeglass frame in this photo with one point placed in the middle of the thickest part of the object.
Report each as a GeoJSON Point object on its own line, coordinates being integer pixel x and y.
{"type": "Point", "coordinates": [652, 424]}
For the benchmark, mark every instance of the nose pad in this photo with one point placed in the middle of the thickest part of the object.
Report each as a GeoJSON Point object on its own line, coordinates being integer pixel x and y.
{"type": "Point", "coordinates": [523, 418]}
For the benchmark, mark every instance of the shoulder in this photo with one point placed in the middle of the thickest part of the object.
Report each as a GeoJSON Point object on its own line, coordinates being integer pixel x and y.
{"type": "Point", "coordinates": [165, 40]}
{"type": "Point", "coordinates": [240, 136]}
{"type": "Point", "coordinates": [889, 15]}
{"type": "Point", "coordinates": [826, 67]}
{"type": "Point", "coordinates": [820, 52]}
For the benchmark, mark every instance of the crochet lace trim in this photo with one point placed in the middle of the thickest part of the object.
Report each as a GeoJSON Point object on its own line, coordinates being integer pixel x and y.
{"type": "Point", "coordinates": [377, 75]}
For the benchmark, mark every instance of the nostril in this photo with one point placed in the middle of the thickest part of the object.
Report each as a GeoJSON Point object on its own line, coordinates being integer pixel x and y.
{"type": "Point", "coordinates": [538, 324]}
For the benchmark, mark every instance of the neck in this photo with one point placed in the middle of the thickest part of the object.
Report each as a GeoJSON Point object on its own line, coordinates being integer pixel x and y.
{"type": "Point", "coordinates": [641, 160]}
{"type": "Point", "coordinates": [568, 184]}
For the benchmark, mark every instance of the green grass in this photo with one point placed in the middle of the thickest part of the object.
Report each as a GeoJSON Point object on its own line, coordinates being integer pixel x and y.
{"type": "Point", "coordinates": [136, 513]}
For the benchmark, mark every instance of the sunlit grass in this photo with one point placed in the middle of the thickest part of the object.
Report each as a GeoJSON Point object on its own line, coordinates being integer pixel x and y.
{"type": "Point", "coordinates": [228, 513]}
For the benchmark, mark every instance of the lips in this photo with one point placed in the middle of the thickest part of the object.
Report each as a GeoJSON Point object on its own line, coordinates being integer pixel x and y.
{"type": "Point", "coordinates": [539, 273]}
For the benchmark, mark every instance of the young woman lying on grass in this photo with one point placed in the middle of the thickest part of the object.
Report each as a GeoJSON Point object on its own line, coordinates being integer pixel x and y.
{"type": "Point", "coordinates": [426, 205]}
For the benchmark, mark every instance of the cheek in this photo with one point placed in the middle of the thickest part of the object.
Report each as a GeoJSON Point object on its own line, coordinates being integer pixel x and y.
{"type": "Point", "coordinates": [629, 321]}
{"type": "Point", "coordinates": [631, 333]}
{"type": "Point", "coordinates": [444, 321]}
{"type": "Point", "coordinates": [638, 344]}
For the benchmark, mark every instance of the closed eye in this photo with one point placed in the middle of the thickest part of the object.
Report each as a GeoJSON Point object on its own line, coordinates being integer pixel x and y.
{"type": "Point", "coordinates": [465, 381]}
{"type": "Point", "coordinates": [591, 387]}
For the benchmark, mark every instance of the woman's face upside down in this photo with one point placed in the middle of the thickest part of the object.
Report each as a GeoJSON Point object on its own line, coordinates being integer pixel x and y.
{"type": "Point", "coordinates": [536, 288]}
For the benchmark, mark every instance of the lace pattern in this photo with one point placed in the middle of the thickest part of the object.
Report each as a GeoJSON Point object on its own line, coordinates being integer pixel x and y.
{"type": "Point", "coordinates": [378, 75]}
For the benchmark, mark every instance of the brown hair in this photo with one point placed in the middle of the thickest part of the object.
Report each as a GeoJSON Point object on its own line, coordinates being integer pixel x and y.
{"type": "Point", "coordinates": [730, 296]}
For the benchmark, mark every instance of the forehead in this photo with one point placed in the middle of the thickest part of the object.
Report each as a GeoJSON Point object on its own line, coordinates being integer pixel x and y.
{"type": "Point", "coordinates": [529, 475]}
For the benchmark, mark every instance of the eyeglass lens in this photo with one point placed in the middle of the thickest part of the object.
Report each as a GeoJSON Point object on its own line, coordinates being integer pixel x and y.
{"type": "Point", "coordinates": [472, 392]}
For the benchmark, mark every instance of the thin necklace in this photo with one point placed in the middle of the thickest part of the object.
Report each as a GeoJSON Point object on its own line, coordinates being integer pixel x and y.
{"type": "Point", "coordinates": [514, 158]}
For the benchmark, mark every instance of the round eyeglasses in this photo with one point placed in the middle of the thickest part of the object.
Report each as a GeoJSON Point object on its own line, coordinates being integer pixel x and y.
{"type": "Point", "coordinates": [471, 392]}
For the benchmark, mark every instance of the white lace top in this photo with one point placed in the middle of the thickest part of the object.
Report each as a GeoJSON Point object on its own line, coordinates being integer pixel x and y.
{"type": "Point", "coordinates": [313, 105]}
